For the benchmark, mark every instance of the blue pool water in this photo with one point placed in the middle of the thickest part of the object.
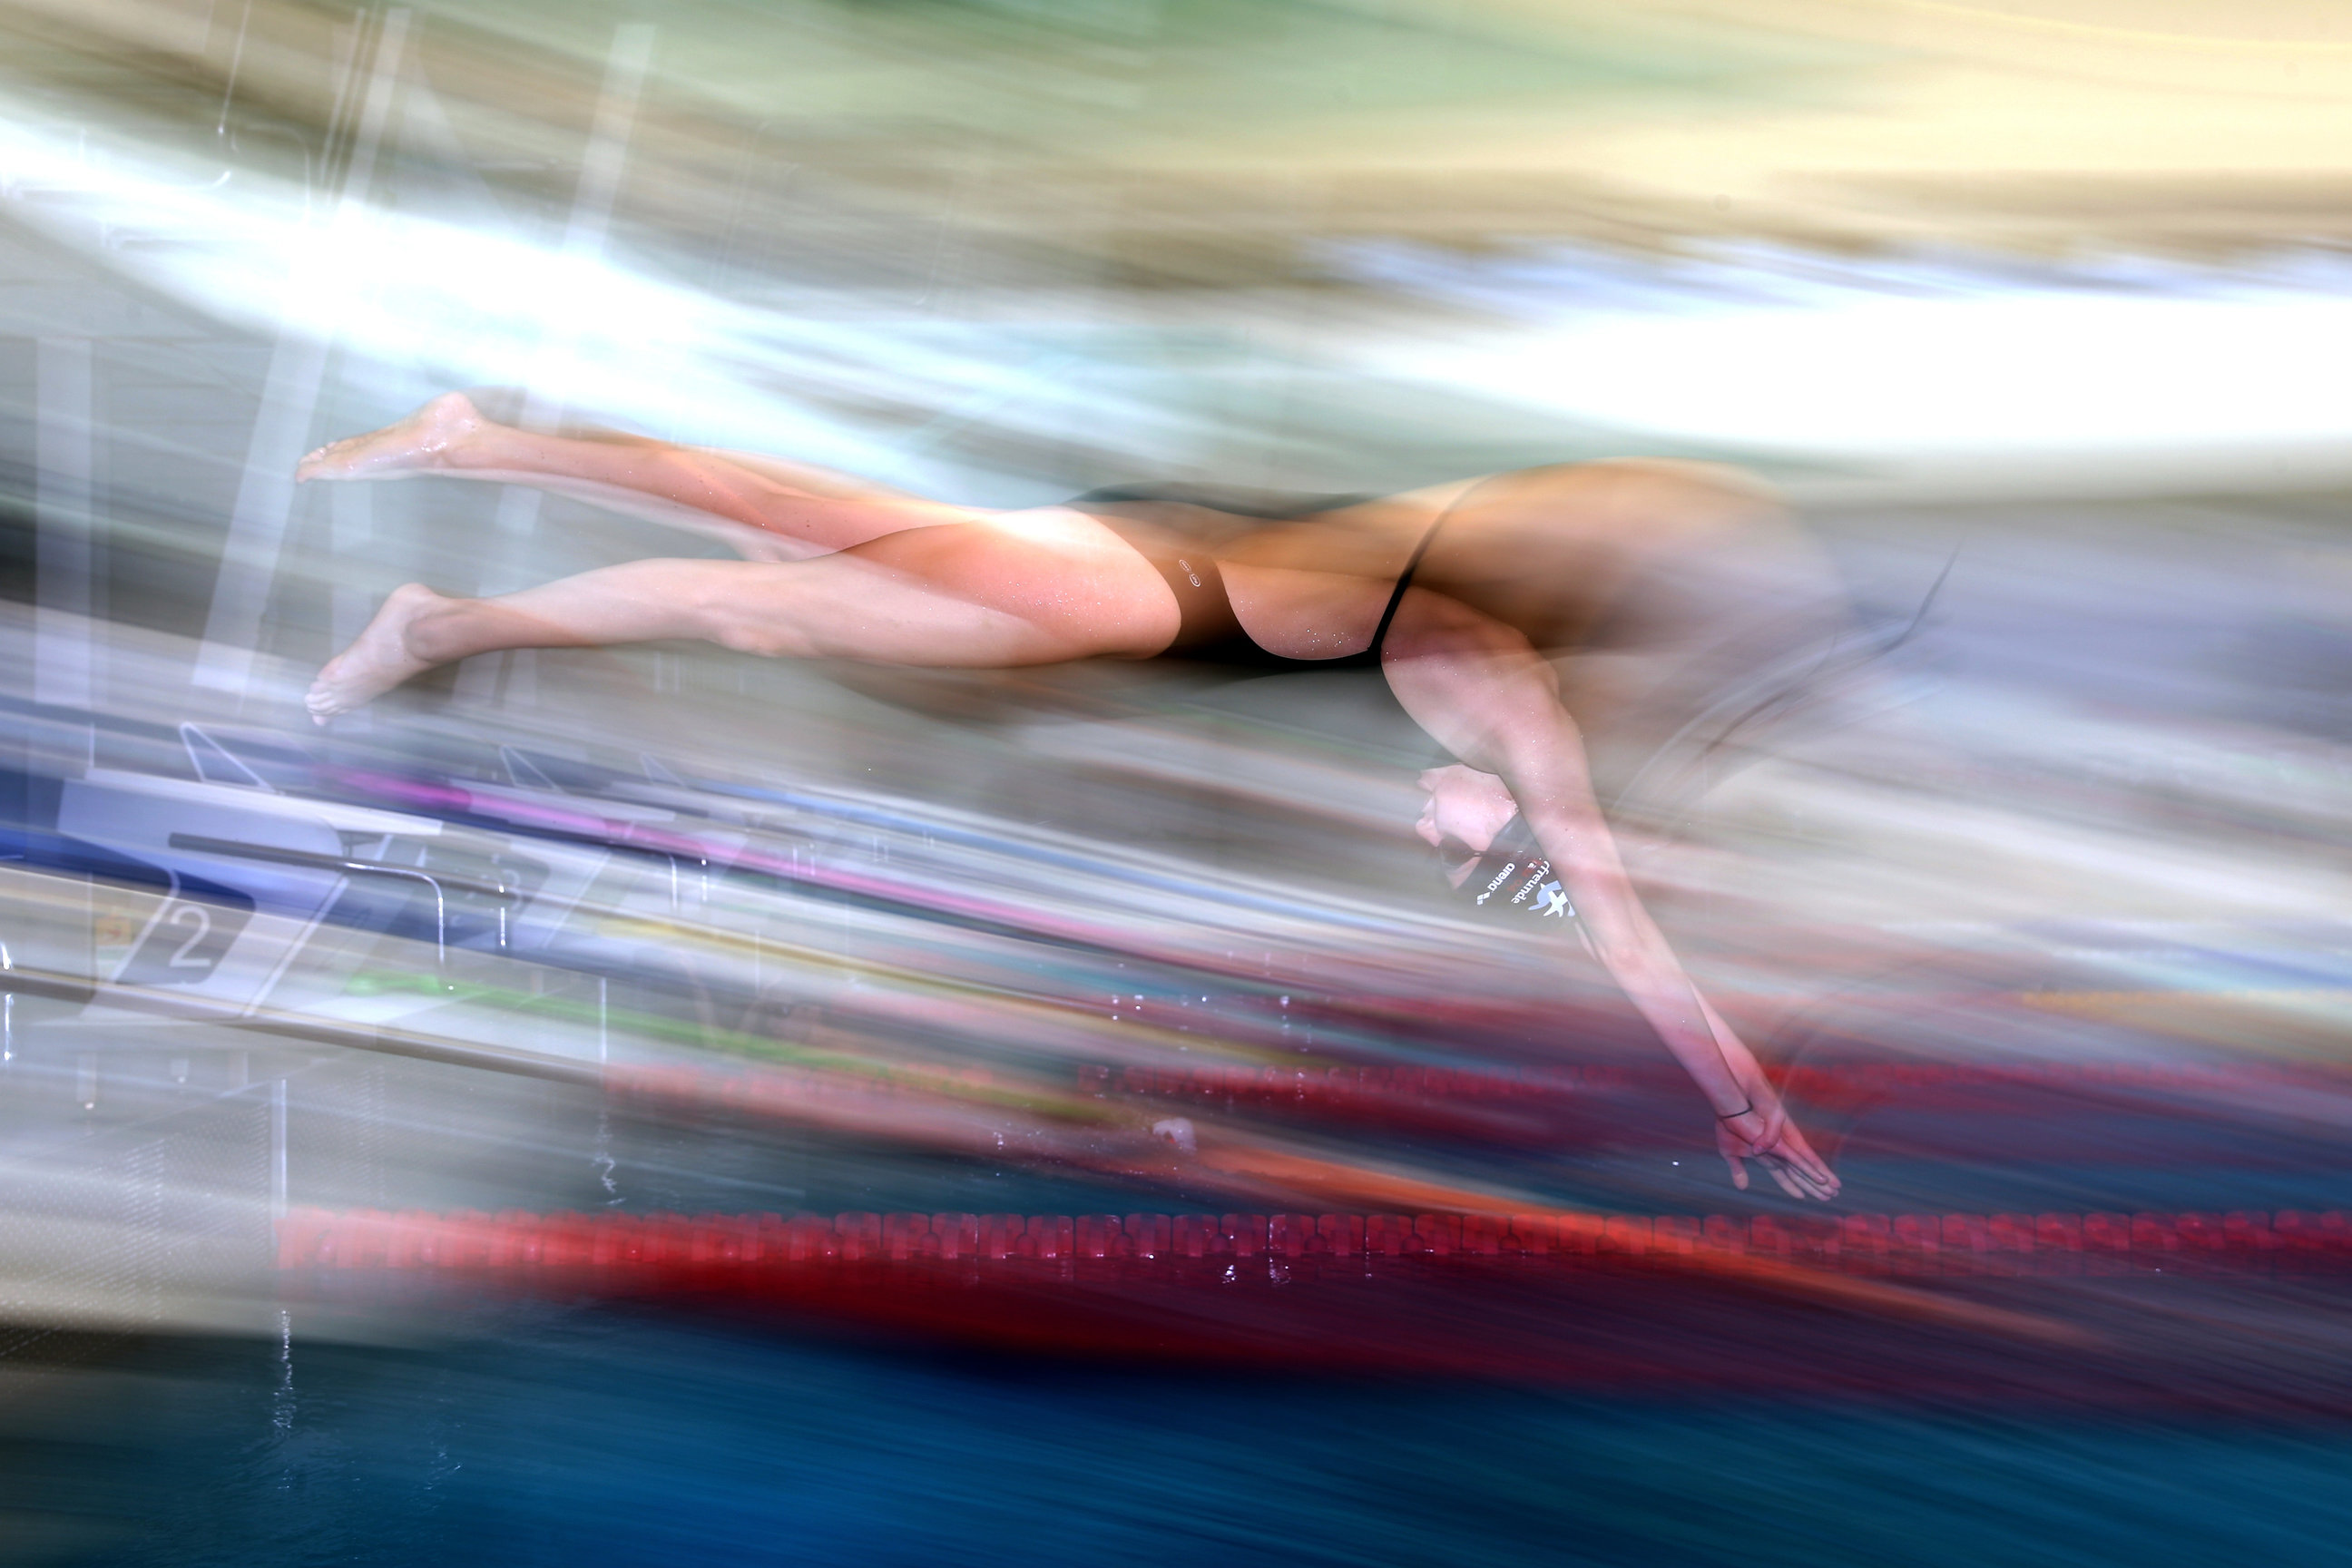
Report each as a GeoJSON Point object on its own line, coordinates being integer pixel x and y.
{"type": "Point", "coordinates": [545, 1433]}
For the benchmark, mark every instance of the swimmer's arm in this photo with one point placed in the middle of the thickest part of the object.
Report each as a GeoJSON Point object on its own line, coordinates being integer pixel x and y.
{"type": "Point", "coordinates": [1546, 775]}
{"type": "Point", "coordinates": [1750, 1120]}
{"type": "Point", "coordinates": [1481, 690]}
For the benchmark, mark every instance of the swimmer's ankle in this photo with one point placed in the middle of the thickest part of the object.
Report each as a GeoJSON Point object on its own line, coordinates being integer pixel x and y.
{"type": "Point", "coordinates": [430, 623]}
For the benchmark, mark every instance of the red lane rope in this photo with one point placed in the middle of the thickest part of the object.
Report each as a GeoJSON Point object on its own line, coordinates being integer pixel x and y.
{"type": "Point", "coordinates": [713, 1248]}
{"type": "Point", "coordinates": [1278, 1083]}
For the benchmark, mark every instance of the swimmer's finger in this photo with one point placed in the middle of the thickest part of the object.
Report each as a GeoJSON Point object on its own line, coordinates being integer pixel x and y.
{"type": "Point", "coordinates": [1794, 1178]}
{"type": "Point", "coordinates": [1738, 1171]}
{"type": "Point", "coordinates": [1796, 1174]}
{"type": "Point", "coordinates": [1823, 1187]}
{"type": "Point", "coordinates": [1800, 1154]}
{"type": "Point", "coordinates": [1812, 1166]}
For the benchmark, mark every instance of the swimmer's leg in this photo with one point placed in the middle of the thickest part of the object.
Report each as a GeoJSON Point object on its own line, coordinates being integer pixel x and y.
{"type": "Point", "coordinates": [1022, 589]}
{"type": "Point", "coordinates": [792, 512]}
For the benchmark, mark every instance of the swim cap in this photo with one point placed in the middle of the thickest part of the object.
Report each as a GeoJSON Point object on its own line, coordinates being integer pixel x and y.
{"type": "Point", "coordinates": [1514, 877]}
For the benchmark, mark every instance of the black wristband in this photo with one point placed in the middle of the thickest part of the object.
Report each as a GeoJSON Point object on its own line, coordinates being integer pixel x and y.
{"type": "Point", "coordinates": [1736, 1115]}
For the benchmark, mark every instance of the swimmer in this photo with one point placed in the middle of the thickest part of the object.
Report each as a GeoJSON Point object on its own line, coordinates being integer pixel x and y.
{"type": "Point", "coordinates": [1457, 594]}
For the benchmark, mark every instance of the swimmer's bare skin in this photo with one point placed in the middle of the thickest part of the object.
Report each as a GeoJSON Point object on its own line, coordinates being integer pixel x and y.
{"type": "Point", "coordinates": [379, 658]}
{"type": "Point", "coordinates": [762, 508]}
{"type": "Point", "coordinates": [451, 437]}
{"type": "Point", "coordinates": [1471, 808]}
{"type": "Point", "coordinates": [1524, 563]}
{"type": "Point", "coordinates": [1465, 807]}
{"type": "Point", "coordinates": [440, 435]}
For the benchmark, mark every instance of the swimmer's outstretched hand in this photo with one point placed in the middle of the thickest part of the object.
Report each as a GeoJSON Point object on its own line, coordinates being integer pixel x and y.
{"type": "Point", "coordinates": [1766, 1136]}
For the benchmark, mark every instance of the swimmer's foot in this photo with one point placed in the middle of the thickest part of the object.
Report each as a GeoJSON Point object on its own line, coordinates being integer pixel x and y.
{"type": "Point", "coordinates": [378, 658]}
{"type": "Point", "coordinates": [433, 439]}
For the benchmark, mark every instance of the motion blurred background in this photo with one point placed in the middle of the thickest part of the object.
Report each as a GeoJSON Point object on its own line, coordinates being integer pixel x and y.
{"type": "Point", "coordinates": [2033, 311]}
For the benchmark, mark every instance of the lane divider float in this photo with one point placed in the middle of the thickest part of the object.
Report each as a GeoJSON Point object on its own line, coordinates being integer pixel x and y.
{"type": "Point", "coordinates": [711, 1249]}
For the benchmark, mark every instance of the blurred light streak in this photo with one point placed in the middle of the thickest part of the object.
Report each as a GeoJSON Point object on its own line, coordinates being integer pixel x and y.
{"type": "Point", "coordinates": [448, 303]}
{"type": "Point", "coordinates": [2155, 371]}
{"type": "Point", "coordinates": [1891, 361]}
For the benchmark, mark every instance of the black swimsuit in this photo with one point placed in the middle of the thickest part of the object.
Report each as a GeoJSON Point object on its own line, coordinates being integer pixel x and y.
{"type": "Point", "coordinates": [1513, 877]}
{"type": "Point", "coordinates": [1208, 631]}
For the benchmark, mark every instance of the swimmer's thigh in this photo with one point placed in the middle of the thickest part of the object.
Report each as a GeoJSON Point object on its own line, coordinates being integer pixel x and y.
{"type": "Point", "coordinates": [1022, 588]}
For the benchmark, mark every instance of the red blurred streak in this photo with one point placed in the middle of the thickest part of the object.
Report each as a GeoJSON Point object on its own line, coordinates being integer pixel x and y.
{"type": "Point", "coordinates": [767, 1255]}
{"type": "Point", "coordinates": [2006, 1246]}
{"type": "Point", "coordinates": [1379, 1088]}
{"type": "Point", "coordinates": [1585, 1298]}
{"type": "Point", "coordinates": [1248, 1167]}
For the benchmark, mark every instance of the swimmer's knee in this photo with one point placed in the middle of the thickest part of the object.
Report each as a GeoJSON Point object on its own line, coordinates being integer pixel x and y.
{"type": "Point", "coordinates": [741, 623]}
{"type": "Point", "coordinates": [761, 636]}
